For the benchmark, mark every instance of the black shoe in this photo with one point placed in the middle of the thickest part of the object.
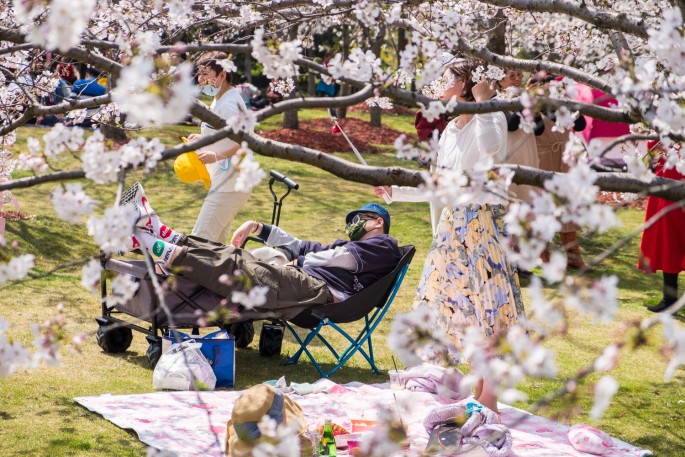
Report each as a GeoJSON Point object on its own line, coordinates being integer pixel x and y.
{"type": "Point", "coordinates": [661, 306]}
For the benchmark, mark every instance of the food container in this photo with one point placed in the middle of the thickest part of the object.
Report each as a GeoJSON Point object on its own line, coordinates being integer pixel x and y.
{"type": "Point", "coordinates": [342, 440]}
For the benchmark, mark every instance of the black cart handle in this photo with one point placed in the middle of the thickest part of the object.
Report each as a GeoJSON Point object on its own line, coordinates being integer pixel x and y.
{"type": "Point", "coordinates": [285, 180]}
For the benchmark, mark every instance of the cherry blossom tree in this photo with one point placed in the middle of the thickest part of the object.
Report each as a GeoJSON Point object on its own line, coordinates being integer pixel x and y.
{"type": "Point", "coordinates": [633, 50]}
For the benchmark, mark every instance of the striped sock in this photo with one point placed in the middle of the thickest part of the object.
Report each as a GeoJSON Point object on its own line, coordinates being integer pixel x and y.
{"type": "Point", "coordinates": [157, 248]}
{"type": "Point", "coordinates": [167, 234]}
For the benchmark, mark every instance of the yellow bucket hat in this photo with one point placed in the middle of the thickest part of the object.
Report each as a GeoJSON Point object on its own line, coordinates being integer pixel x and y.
{"type": "Point", "coordinates": [242, 432]}
{"type": "Point", "coordinates": [188, 168]}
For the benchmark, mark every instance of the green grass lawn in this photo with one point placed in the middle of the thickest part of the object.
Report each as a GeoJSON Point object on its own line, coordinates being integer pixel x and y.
{"type": "Point", "coordinates": [39, 417]}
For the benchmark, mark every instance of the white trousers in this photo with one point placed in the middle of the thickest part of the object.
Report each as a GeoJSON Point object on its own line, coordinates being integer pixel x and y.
{"type": "Point", "coordinates": [217, 214]}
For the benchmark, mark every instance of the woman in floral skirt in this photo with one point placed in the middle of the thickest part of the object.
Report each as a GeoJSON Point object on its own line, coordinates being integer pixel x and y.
{"type": "Point", "coordinates": [466, 277]}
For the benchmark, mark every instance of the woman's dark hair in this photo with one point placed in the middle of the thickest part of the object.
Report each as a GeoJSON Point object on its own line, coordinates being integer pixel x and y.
{"type": "Point", "coordinates": [463, 70]}
{"type": "Point", "coordinates": [92, 72]}
{"type": "Point", "coordinates": [211, 61]}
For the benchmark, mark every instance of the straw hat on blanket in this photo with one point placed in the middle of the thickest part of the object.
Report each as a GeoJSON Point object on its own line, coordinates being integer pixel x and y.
{"type": "Point", "coordinates": [242, 432]}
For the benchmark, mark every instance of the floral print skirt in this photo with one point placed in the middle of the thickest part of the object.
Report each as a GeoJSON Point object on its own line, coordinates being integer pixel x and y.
{"type": "Point", "coordinates": [466, 277]}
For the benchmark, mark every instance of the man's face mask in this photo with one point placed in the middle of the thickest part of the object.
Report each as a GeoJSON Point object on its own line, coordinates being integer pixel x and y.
{"type": "Point", "coordinates": [355, 229]}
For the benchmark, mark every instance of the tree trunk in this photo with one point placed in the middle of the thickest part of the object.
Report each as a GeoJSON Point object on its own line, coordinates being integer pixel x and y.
{"type": "Point", "coordinates": [290, 119]}
{"type": "Point", "coordinates": [311, 78]}
{"type": "Point", "coordinates": [344, 88]}
{"type": "Point", "coordinates": [401, 42]}
{"type": "Point", "coordinates": [248, 67]}
{"type": "Point", "coordinates": [497, 41]}
{"type": "Point", "coordinates": [375, 116]}
{"type": "Point", "coordinates": [375, 113]}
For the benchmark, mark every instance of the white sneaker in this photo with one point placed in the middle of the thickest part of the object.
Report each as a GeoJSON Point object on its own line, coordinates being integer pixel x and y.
{"type": "Point", "coordinates": [135, 195]}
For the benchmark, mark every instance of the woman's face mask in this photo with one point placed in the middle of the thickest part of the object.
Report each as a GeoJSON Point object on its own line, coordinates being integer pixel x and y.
{"type": "Point", "coordinates": [211, 89]}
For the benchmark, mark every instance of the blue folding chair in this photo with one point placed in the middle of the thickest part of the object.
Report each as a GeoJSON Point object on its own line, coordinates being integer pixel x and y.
{"type": "Point", "coordinates": [371, 303]}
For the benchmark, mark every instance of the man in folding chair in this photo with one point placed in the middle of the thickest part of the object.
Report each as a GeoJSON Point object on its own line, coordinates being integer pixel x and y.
{"type": "Point", "coordinates": [316, 274]}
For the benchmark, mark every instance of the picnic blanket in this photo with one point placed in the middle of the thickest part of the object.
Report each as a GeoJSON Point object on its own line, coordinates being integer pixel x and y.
{"type": "Point", "coordinates": [193, 424]}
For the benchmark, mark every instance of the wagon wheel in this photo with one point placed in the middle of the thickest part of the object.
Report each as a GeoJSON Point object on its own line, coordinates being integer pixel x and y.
{"type": "Point", "coordinates": [114, 338]}
{"type": "Point", "coordinates": [243, 332]}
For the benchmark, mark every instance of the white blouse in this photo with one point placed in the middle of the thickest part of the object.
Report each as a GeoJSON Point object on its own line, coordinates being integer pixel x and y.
{"type": "Point", "coordinates": [460, 150]}
{"type": "Point", "coordinates": [223, 179]}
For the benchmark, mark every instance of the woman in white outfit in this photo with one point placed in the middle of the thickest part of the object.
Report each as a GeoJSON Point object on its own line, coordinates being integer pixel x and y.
{"type": "Point", "coordinates": [521, 146]}
{"type": "Point", "coordinates": [222, 202]}
{"type": "Point", "coordinates": [466, 277]}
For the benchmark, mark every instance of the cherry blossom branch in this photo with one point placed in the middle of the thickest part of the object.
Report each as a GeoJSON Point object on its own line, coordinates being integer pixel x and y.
{"type": "Point", "coordinates": [316, 102]}
{"type": "Point", "coordinates": [665, 188]}
{"type": "Point", "coordinates": [531, 65]}
{"type": "Point", "coordinates": [571, 384]}
{"type": "Point", "coordinates": [598, 112]}
{"type": "Point", "coordinates": [66, 106]}
{"type": "Point", "coordinates": [594, 111]}
{"type": "Point", "coordinates": [535, 66]}
{"type": "Point", "coordinates": [595, 16]}
{"type": "Point", "coordinates": [412, 98]}
{"type": "Point", "coordinates": [81, 55]}
{"type": "Point", "coordinates": [21, 47]}
{"type": "Point", "coordinates": [627, 138]}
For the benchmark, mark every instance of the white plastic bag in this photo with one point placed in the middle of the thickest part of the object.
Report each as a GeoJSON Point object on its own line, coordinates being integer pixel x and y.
{"type": "Point", "coordinates": [183, 367]}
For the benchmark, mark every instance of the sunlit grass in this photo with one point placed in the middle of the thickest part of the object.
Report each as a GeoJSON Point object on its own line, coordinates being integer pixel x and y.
{"type": "Point", "coordinates": [37, 412]}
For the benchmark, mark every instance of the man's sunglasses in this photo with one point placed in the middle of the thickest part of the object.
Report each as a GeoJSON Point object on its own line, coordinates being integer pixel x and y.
{"type": "Point", "coordinates": [362, 217]}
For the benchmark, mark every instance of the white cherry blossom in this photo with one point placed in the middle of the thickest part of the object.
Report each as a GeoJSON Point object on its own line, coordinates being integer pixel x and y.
{"type": "Point", "coordinates": [255, 297]}
{"type": "Point", "coordinates": [123, 288]}
{"type": "Point", "coordinates": [90, 276]}
{"type": "Point", "coordinates": [113, 231]}
{"type": "Point", "coordinates": [71, 203]}
{"type": "Point", "coordinates": [605, 389]}
{"type": "Point", "coordinates": [17, 268]}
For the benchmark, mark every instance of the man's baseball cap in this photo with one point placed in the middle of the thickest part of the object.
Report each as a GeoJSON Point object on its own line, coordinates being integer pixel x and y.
{"type": "Point", "coordinates": [371, 208]}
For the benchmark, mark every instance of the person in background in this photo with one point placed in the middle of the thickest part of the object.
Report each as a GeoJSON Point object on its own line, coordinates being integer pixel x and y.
{"type": "Point", "coordinates": [663, 243]}
{"type": "Point", "coordinates": [250, 94]}
{"type": "Point", "coordinates": [272, 96]}
{"type": "Point", "coordinates": [222, 202]}
{"type": "Point", "coordinates": [425, 128]}
{"type": "Point", "coordinates": [89, 85]}
{"type": "Point", "coordinates": [313, 273]}
{"type": "Point", "coordinates": [602, 133]}
{"type": "Point", "coordinates": [521, 145]}
{"type": "Point", "coordinates": [550, 150]}
{"type": "Point", "coordinates": [67, 71]}
{"type": "Point", "coordinates": [325, 87]}
{"type": "Point", "coordinates": [62, 91]}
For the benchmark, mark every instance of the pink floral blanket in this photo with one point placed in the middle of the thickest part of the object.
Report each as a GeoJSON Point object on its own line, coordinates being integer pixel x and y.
{"type": "Point", "coordinates": [193, 424]}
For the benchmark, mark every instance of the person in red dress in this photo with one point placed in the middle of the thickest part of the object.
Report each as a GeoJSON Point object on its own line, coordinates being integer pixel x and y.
{"type": "Point", "coordinates": [663, 243]}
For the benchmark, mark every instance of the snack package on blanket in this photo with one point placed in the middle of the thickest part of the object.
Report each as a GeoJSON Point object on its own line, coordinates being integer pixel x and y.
{"type": "Point", "coordinates": [183, 367]}
{"type": "Point", "coordinates": [589, 439]}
